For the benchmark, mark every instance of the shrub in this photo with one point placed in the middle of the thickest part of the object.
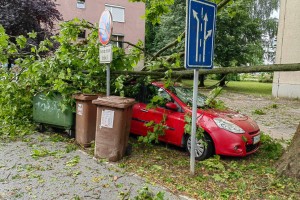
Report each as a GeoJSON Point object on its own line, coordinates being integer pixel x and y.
{"type": "Point", "coordinates": [266, 78]}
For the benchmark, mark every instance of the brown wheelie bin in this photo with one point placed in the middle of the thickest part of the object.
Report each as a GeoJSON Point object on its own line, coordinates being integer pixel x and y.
{"type": "Point", "coordinates": [85, 119]}
{"type": "Point", "coordinates": [112, 126]}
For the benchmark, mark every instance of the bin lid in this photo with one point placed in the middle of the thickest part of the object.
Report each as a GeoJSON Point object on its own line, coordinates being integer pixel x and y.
{"type": "Point", "coordinates": [86, 97]}
{"type": "Point", "coordinates": [114, 101]}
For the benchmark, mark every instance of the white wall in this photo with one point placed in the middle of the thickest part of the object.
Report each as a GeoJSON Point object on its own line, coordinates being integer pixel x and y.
{"type": "Point", "coordinates": [287, 84]}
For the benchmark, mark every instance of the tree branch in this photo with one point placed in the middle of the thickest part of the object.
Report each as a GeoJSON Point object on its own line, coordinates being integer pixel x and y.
{"type": "Point", "coordinates": [171, 44]}
{"type": "Point", "coordinates": [131, 44]}
{"type": "Point", "coordinates": [222, 4]}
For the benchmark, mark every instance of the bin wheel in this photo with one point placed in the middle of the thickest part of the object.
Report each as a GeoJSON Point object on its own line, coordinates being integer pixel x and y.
{"type": "Point", "coordinates": [71, 133]}
{"type": "Point", "coordinates": [41, 128]}
{"type": "Point", "coordinates": [128, 150]}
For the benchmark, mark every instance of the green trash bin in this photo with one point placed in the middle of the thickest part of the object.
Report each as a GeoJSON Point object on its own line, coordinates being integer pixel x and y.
{"type": "Point", "coordinates": [47, 111]}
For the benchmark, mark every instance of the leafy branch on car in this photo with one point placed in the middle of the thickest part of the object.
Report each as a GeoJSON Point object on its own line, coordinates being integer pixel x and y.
{"type": "Point", "coordinates": [158, 129]}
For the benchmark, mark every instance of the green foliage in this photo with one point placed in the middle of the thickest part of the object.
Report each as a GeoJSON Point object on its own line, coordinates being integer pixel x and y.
{"type": "Point", "coordinates": [238, 36]}
{"type": "Point", "coordinates": [157, 130]}
{"type": "Point", "coordinates": [244, 87]}
{"type": "Point", "coordinates": [156, 101]}
{"type": "Point", "coordinates": [211, 100]}
{"type": "Point", "coordinates": [240, 28]}
{"type": "Point", "coordinates": [73, 67]}
{"type": "Point", "coordinates": [229, 77]}
{"type": "Point", "coordinates": [145, 194]}
{"type": "Point", "coordinates": [258, 112]}
{"type": "Point", "coordinates": [274, 106]}
{"type": "Point", "coordinates": [213, 163]}
{"type": "Point", "coordinates": [265, 77]}
{"type": "Point", "coordinates": [39, 152]}
{"type": "Point", "coordinates": [119, 84]}
{"type": "Point", "coordinates": [212, 175]}
{"type": "Point", "coordinates": [130, 86]}
{"type": "Point", "coordinates": [172, 25]}
{"type": "Point", "coordinates": [73, 162]}
{"type": "Point", "coordinates": [155, 9]}
{"type": "Point", "coordinates": [270, 148]}
{"type": "Point", "coordinates": [188, 127]}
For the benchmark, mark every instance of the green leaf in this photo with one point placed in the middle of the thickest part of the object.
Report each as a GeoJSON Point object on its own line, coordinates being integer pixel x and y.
{"type": "Point", "coordinates": [21, 41]}
{"type": "Point", "coordinates": [32, 34]}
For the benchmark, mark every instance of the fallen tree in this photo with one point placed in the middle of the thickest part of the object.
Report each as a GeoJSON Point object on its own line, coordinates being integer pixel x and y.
{"type": "Point", "coordinates": [289, 163]}
{"type": "Point", "coordinates": [227, 70]}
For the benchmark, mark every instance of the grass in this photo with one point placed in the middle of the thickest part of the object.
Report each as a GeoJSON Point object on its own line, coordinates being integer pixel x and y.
{"type": "Point", "coordinates": [244, 87]}
{"type": "Point", "coordinates": [252, 177]}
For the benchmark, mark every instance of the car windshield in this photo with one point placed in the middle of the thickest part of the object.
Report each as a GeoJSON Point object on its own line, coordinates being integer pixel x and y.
{"type": "Point", "coordinates": [186, 95]}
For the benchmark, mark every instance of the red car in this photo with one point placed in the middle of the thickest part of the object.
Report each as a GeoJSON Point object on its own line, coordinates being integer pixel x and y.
{"type": "Point", "coordinates": [225, 132]}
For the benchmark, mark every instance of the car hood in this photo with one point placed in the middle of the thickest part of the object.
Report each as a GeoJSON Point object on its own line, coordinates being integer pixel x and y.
{"type": "Point", "coordinates": [243, 121]}
{"type": "Point", "coordinates": [228, 115]}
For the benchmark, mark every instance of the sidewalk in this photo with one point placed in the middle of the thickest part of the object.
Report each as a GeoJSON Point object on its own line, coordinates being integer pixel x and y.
{"type": "Point", "coordinates": [39, 168]}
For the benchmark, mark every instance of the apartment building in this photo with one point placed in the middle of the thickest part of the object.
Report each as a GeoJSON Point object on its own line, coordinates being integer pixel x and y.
{"type": "Point", "coordinates": [128, 24]}
{"type": "Point", "coordinates": [287, 84]}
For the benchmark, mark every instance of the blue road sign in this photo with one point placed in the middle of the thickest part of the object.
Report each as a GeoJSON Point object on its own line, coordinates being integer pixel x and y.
{"type": "Point", "coordinates": [200, 32]}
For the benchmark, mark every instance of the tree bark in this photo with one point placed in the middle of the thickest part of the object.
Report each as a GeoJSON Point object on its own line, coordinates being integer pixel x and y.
{"type": "Point", "coordinates": [226, 70]}
{"type": "Point", "coordinates": [222, 80]}
{"type": "Point", "coordinates": [201, 80]}
{"type": "Point", "coordinates": [289, 163]}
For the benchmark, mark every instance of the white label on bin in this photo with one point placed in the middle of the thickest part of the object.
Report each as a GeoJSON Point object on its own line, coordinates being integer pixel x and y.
{"type": "Point", "coordinates": [107, 118]}
{"type": "Point", "coordinates": [80, 109]}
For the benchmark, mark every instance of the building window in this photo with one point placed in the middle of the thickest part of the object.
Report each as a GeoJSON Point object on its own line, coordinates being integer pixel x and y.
{"type": "Point", "coordinates": [81, 4]}
{"type": "Point", "coordinates": [118, 40]}
{"type": "Point", "coordinates": [118, 13]}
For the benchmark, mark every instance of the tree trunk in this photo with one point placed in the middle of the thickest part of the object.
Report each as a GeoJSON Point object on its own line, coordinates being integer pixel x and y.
{"type": "Point", "coordinates": [289, 163]}
{"type": "Point", "coordinates": [201, 79]}
{"type": "Point", "coordinates": [225, 70]}
{"type": "Point", "coordinates": [222, 80]}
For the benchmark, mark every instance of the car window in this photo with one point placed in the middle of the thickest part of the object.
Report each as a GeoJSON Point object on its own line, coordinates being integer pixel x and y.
{"type": "Point", "coordinates": [162, 93]}
{"type": "Point", "coordinates": [186, 95]}
{"type": "Point", "coordinates": [152, 91]}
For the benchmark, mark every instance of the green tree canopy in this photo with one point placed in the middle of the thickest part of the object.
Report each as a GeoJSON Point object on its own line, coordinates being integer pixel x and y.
{"type": "Point", "coordinates": [241, 27]}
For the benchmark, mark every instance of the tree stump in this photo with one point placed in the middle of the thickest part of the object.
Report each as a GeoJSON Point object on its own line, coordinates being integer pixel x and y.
{"type": "Point", "coordinates": [289, 163]}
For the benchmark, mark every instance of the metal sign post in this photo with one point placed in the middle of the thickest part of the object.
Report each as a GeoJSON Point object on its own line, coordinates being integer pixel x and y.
{"type": "Point", "coordinates": [105, 55]}
{"type": "Point", "coordinates": [107, 80]}
{"type": "Point", "coordinates": [194, 117]}
{"type": "Point", "coordinates": [105, 51]}
{"type": "Point", "coordinates": [199, 46]}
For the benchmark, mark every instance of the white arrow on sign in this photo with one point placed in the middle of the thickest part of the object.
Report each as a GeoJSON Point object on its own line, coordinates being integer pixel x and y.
{"type": "Point", "coordinates": [195, 14]}
{"type": "Point", "coordinates": [206, 35]}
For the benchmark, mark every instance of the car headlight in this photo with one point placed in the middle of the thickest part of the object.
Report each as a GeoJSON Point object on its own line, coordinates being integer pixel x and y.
{"type": "Point", "coordinates": [229, 126]}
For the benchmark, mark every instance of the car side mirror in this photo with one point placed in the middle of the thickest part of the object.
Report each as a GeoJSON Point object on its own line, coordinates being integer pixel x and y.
{"type": "Point", "coordinates": [171, 106]}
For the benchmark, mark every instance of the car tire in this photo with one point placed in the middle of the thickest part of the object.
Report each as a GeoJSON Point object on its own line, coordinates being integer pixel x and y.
{"type": "Point", "coordinates": [204, 147]}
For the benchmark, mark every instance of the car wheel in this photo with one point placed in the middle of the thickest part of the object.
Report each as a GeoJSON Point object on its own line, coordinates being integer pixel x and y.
{"type": "Point", "coordinates": [203, 149]}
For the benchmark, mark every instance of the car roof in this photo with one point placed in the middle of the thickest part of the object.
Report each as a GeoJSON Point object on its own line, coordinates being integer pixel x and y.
{"type": "Point", "coordinates": [161, 84]}
{"type": "Point", "coordinates": [158, 84]}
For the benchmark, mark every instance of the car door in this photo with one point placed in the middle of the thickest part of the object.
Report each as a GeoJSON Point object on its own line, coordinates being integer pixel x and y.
{"type": "Point", "coordinates": [143, 115]}
{"type": "Point", "coordinates": [173, 119]}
